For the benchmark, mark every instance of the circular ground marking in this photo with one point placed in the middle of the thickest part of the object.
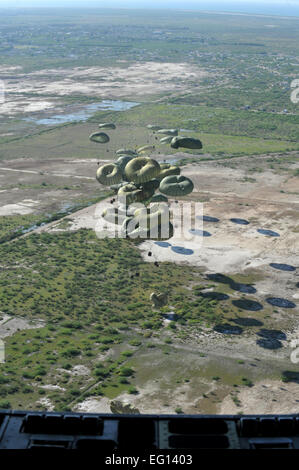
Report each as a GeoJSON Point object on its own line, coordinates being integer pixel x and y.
{"type": "Point", "coordinates": [282, 267]}
{"type": "Point", "coordinates": [181, 250]}
{"type": "Point", "coordinates": [163, 244]}
{"type": "Point", "coordinates": [207, 218]}
{"type": "Point", "coordinates": [240, 221]}
{"type": "Point", "coordinates": [269, 233]}
{"type": "Point", "coordinates": [200, 233]}
{"type": "Point", "coordinates": [278, 302]}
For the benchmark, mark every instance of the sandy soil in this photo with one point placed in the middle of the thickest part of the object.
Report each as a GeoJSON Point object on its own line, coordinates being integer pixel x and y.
{"type": "Point", "coordinates": [230, 249]}
{"type": "Point", "coordinates": [137, 80]}
{"type": "Point", "coordinates": [94, 405]}
{"type": "Point", "coordinates": [9, 325]}
{"type": "Point", "coordinates": [266, 397]}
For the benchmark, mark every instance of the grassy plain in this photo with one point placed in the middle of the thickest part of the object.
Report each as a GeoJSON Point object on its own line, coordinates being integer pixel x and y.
{"type": "Point", "coordinates": [229, 86]}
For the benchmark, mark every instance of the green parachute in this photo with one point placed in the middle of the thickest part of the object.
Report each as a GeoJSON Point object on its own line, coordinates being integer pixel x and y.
{"type": "Point", "coordinates": [158, 198]}
{"type": "Point", "coordinates": [146, 149]}
{"type": "Point", "coordinates": [158, 300]}
{"type": "Point", "coordinates": [166, 140]}
{"type": "Point", "coordinates": [173, 132]}
{"type": "Point", "coordinates": [126, 152]}
{"type": "Point", "coordinates": [142, 212]}
{"type": "Point", "coordinates": [185, 142]}
{"type": "Point", "coordinates": [167, 170]}
{"type": "Point", "coordinates": [149, 222]}
{"type": "Point", "coordinates": [109, 174]}
{"type": "Point", "coordinates": [122, 161]}
{"type": "Point", "coordinates": [176, 186]}
{"type": "Point", "coordinates": [99, 137]}
{"type": "Point", "coordinates": [142, 169]}
{"type": "Point", "coordinates": [107, 125]}
{"type": "Point", "coordinates": [153, 127]}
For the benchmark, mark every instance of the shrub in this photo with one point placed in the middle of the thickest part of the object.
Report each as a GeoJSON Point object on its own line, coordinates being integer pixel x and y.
{"type": "Point", "coordinates": [4, 404]}
{"type": "Point", "coordinates": [126, 371]}
{"type": "Point", "coordinates": [135, 342]}
{"type": "Point", "coordinates": [127, 353]}
{"type": "Point", "coordinates": [123, 380]}
{"type": "Point", "coordinates": [71, 352]}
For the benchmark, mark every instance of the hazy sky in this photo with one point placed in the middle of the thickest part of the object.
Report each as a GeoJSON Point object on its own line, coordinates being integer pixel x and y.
{"type": "Point", "coordinates": [284, 7]}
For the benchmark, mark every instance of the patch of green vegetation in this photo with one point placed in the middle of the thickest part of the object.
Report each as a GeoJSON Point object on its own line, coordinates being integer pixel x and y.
{"type": "Point", "coordinates": [14, 226]}
{"type": "Point", "coordinates": [56, 277]}
{"type": "Point", "coordinates": [207, 122]}
{"type": "Point", "coordinates": [179, 410]}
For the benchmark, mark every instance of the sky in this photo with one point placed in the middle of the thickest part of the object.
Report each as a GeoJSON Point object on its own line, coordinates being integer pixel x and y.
{"type": "Point", "coordinates": [269, 7]}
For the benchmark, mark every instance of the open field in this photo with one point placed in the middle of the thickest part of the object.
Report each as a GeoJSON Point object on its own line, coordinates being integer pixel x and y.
{"type": "Point", "coordinates": [79, 327]}
{"type": "Point", "coordinates": [71, 141]}
{"type": "Point", "coordinates": [250, 333]}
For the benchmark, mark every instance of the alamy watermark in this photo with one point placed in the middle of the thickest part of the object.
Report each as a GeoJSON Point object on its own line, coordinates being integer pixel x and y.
{"type": "Point", "coordinates": [161, 220]}
{"type": "Point", "coordinates": [295, 92]}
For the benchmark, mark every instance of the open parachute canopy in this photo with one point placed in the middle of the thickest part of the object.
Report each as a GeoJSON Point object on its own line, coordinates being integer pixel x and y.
{"type": "Point", "coordinates": [153, 127]}
{"type": "Point", "coordinates": [173, 132]}
{"type": "Point", "coordinates": [126, 152]}
{"type": "Point", "coordinates": [139, 180]}
{"type": "Point", "coordinates": [99, 137]}
{"type": "Point", "coordinates": [185, 142]}
{"type": "Point", "coordinates": [107, 125]}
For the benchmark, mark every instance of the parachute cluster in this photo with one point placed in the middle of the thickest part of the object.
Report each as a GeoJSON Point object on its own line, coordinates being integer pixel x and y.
{"type": "Point", "coordinates": [174, 139]}
{"type": "Point", "coordinates": [143, 185]}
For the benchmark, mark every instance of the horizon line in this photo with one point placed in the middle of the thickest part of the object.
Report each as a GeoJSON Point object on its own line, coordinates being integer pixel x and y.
{"type": "Point", "coordinates": [222, 12]}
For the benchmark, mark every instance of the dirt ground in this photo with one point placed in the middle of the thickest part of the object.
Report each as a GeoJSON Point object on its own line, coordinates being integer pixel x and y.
{"type": "Point", "coordinates": [47, 87]}
{"type": "Point", "coordinates": [269, 200]}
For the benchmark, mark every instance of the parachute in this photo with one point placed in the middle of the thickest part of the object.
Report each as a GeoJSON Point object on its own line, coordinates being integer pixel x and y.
{"type": "Point", "coordinates": [154, 183]}
{"type": "Point", "coordinates": [109, 174]}
{"type": "Point", "coordinates": [185, 142]}
{"type": "Point", "coordinates": [142, 169]}
{"type": "Point", "coordinates": [146, 149]}
{"type": "Point", "coordinates": [130, 193]}
{"type": "Point", "coordinates": [176, 185]}
{"type": "Point", "coordinates": [99, 137]}
{"type": "Point", "coordinates": [107, 125]}
{"type": "Point", "coordinates": [158, 300]}
{"type": "Point", "coordinates": [166, 140]}
{"type": "Point", "coordinates": [136, 178]}
{"type": "Point", "coordinates": [158, 198]}
{"type": "Point", "coordinates": [153, 127]}
{"type": "Point", "coordinates": [173, 132]}
{"type": "Point", "coordinates": [126, 152]}
{"type": "Point", "coordinates": [122, 161]}
{"type": "Point", "coordinates": [167, 170]}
